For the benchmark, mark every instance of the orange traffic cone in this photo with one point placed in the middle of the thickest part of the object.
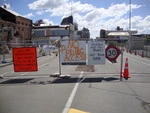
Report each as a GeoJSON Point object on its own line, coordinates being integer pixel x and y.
{"type": "Point", "coordinates": [125, 73]}
{"type": "Point", "coordinates": [135, 52]}
{"type": "Point", "coordinates": [142, 54]}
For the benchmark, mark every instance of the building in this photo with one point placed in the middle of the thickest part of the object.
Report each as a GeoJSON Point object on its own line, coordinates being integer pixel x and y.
{"type": "Point", "coordinates": [6, 30]}
{"type": "Point", "coordinates": [122, 34]}
{"type": "Point", "coordinates": [42, 35]}
{"type": "Point", "coordinates": [19, 26]}
{"type": "Point", "coordinates": [47, 34]}
{"type": "Point", "coordinates": [133, 40]}
{"type": "Point", "coordinates": [84, 33]}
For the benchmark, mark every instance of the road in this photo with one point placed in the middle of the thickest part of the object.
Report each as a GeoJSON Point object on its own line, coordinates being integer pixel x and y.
{"type": "Point", "coordinates": [100, 91]}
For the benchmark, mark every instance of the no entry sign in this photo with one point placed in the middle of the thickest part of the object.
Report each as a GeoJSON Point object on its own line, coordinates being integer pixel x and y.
{"type": "Point", "coordinates": [112, 53]}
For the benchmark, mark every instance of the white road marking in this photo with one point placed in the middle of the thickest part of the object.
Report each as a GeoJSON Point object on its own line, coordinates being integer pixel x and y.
{"type": "Point", "coordinates": [70, 99]}
{"type": "Point", "coordinates": [140, 62]}
{"type": "Point", "coordinates": [24, 73]}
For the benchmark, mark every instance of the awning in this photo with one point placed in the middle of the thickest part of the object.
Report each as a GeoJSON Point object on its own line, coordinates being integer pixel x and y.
{"type": "Point", "coordinates": [118, 34]}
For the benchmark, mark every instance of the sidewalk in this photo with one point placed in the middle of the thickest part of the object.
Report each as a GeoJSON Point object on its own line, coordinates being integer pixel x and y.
{"type": "Point", "coordinates": [5, 59]}
{"type": "Point", "coordinates": [3, 64]}
{"type": "Point", "coordinates": [8, 61]}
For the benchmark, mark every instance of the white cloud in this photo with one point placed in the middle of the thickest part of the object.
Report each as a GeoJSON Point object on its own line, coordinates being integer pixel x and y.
{"type": "Point", "coordinates": [141, 24]}
{"type": "Point", "coordinates": [30, 15]}
{"type": "Point", "coordinates": [48, 22]}
{"type": "Point", "coordinates": [66, 9]}
{"type": "Point", "coordinates": [89, 16]}
{"type": "Point", "coordinates": [46, 4]}
{"type": "Point", "coordinates": [110, 18]}
{"type": "Point", "coordinates": [40, 12]}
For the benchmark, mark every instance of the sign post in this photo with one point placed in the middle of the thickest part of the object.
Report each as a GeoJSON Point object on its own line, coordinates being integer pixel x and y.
{"type": "Point", "coordinates": [121, 65]}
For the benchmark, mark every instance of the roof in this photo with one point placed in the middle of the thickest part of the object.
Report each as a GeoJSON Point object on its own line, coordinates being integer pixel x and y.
{"type": "Point", "coordinates": [118, 33]}
{"type": "Point", "coordinates": [50, 26]}
{"type": "Point", "coordinates": [10, 11]}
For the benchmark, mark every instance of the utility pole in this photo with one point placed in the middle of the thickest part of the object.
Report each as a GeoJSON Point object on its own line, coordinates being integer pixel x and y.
{"type": "Point", "coordinates": [129, 24]}
{"type": "Point", "coordinates": [130, 15]}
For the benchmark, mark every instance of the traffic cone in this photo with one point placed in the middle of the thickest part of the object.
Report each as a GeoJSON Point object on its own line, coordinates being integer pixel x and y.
{"type": "Point", "coordinates": [125, 73]}
{"type": "Point", "coordinates": [135, 52]}
{"type": "Point", "coordinates": [142, 54]}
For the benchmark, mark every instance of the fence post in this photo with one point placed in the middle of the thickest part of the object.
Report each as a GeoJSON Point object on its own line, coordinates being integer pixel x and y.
{"type": "Point", "coordinates": [121, 65]}
{"type": "Point", "coordinates": [3, 54]}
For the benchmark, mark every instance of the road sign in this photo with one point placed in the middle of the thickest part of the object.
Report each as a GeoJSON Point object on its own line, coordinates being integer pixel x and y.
{"type": "Point", "coordinates": [112, 53]}
{"type": "Point", "coordinates": [96, 52]}
{"type": "Point", "coordinates": [25, 59]}
{"type": "Point", "coordinates": [73, 52]}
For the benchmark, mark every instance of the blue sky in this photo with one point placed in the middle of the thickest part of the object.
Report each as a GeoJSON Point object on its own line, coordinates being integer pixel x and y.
{"type": "Point", "coordinates": [92, 14]}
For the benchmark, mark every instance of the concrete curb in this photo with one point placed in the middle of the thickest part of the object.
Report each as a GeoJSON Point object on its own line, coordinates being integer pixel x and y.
{"type": "Point", "coordinates": [5, 64]}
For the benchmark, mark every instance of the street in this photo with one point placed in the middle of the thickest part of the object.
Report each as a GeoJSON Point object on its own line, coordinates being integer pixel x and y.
{"type": "Point", "coordinates": [97, 90]}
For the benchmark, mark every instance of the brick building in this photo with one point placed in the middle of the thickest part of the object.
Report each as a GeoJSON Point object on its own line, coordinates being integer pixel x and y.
{"type": "Point", "coordinates": [14, 25]}
{"type": "Point", "coordinates": [6, 27]}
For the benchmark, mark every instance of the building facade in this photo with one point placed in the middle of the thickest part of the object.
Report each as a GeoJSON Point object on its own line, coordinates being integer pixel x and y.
{"type": "Point", "coordinates": [84, 33]}
{"type": "Point", "coordinates": [19, 26]}
{"type": "Point", "coordinates": [42, 35]}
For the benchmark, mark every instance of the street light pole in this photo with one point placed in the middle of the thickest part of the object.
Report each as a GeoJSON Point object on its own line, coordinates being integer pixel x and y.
{"type": "Point", "coordinates": [130, 15]}
{"type": "Point", "coordinates": [129, 24]}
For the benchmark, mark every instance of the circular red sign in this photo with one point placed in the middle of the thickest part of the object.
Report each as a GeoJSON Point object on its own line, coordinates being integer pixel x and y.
{"type": "Point", "coordinates": [112, 52]}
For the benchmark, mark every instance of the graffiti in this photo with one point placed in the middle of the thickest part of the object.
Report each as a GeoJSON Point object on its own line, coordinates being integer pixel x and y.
{"type": "Point", "coordinates": [73, 50]}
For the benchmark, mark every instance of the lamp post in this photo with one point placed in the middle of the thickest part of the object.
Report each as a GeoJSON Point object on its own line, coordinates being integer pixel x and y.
{"type": "Point", "coordinates": [129, 14]}
{"type": "Point", "coordinates": [129, 24]}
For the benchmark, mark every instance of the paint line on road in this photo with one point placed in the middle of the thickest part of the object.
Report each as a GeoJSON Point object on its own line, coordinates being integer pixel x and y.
{"type": "Point", "coordinates": [4, 73]}
{"type": "Point", "coordinates": [70, 99]}
{"type": "Point", "coordinates": [45, 64]}
{"type": "Point", "coordinates": [140, 62]}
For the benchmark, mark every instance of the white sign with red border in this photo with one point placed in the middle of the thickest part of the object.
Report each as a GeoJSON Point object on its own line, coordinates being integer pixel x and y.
{"type": "Point", "coordinates": [112, 53]}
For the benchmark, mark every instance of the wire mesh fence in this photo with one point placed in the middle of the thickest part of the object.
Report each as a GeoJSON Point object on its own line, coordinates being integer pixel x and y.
{"type": "Point", "coordinates": [42, 49]}
{"type": "Point", "coordinates": [137, 46]}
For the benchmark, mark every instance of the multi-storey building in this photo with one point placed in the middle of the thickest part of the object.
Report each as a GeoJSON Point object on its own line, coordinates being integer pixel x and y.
{"type": "Point", "coordinates": [84, 34]}
{"type": "Point", "coordinates": [19, 26]}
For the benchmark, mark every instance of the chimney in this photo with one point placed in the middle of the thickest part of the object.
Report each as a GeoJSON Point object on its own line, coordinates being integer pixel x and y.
{"type": "Point", "coordinates": [5, 6]}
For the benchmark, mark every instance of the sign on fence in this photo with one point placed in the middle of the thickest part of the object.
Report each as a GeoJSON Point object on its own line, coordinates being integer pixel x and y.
{"type": "Point", "coordinates": [73, 52]}
{"type": "Point", "coordinates": [96, 52]}
{"type": "Point", "coordinates": [25, 59]}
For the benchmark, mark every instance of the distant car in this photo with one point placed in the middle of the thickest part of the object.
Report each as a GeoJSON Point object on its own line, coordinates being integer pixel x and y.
{"type": "Point", "coordinates": [49, 47]}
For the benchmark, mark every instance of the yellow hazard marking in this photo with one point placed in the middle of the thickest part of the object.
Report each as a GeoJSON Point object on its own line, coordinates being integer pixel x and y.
{"type": "Point", "coordinates": [72, 110]}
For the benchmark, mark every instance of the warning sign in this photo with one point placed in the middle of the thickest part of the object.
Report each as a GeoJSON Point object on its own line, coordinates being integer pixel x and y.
{"type": "Point", "coordinates": [96, 52]}
{"type": "Point", "coordinates": [73, 52]}
{"type": "Point", "coordinates": [25, 59]}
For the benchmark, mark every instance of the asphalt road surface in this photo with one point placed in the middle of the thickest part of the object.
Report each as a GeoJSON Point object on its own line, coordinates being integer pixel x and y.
{"type": "Point", "coordinates": [93, 89]}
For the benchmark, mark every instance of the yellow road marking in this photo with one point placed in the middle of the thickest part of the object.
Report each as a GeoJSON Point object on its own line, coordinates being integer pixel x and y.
{"type": "Point", "coordinates": [72, 110]}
